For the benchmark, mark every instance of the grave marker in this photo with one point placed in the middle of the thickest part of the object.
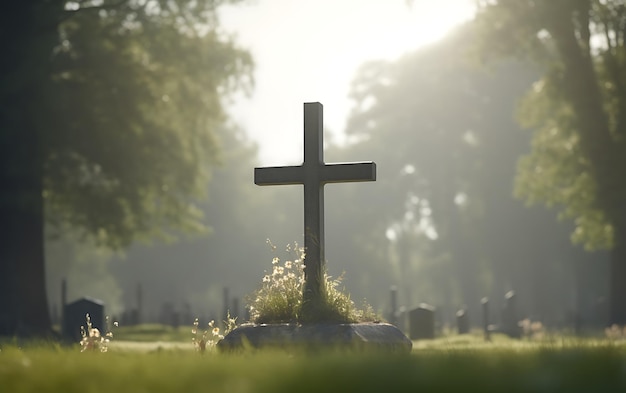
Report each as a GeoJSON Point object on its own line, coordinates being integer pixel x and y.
{"type": "Point", "coordinates": [510, 320]}
{"type": "Point", "coordinates": [485, 305]}
{"type": "Point", "coordinates": [422, 322]}
{"type": "Point", "coordinates": [462, 321]}
{"type": "Point", "coordinates": [139, 294]}
{"type": "Point", "coordinates": [393, 317]}
{"type": "Point", "coordinates": [74, 316]}
{"type": "Point", "coordinates": [314, 173]}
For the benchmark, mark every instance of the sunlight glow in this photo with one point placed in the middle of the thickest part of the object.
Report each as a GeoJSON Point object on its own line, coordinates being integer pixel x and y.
{"type": "Point", "coordinates": [310, 51]}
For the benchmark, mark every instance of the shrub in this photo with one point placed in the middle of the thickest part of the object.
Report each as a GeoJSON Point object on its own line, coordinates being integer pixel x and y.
{"type": "Point", "coordinates": [279, 299]}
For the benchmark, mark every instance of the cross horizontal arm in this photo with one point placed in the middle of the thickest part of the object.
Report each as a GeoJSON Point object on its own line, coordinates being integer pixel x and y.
{"type": "Point", "coordinates": [349, 172]}
{"type": "Point", "coordinates": [271, 176]}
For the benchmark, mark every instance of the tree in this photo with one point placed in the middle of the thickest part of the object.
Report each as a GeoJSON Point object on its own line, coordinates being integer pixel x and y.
{"type": "Point", "coordinates": [578, 111]}
{"type": "Point", "coordinates": [108, 111]}
{"type": "Point", "coordinates": [442, 132]}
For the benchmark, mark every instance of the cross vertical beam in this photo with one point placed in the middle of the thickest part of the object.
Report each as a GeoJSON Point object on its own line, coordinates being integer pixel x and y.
{"type": "Point", "coordinates": [313, 202]}
{"type": "Point", "coordinates": [313, 173]}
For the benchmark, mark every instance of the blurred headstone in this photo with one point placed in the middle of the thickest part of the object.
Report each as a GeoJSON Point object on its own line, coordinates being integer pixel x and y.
{"type": "Point", "coordinates": [226, 306]}
{"type": "Point", "coordinates": [75, 316]}
{"type": "Point", "coordinates": [167, 316]}
{"type": "Point", "coordinates": [139, 314]}
{"type": "Point", "coordinates": [462, 322]}
{"type": "Point", "coordinates": [402, 318]}
{"type": "Point", "coordinates": [134, 317]}
{"type": "Point", "coordinates": [393, 318]}
{"type": "Point", "coordinates": [422, 322]}
{"type": "Point", "coordinates": [234, 313]}
{"type": "Point", "coordinates": [63, 303]}
{"type": "Point", "coordinates": [485, 305]}
{"type": "Point", "coordinates": [510, 319]}
{"type": "Point", "coordinates": [54, 314]}
{"type": "Point", "coordinates": [187, 314]}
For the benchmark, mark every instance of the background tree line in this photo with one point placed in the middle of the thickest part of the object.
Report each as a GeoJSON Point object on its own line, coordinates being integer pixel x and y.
{"type": "Point", "coordinates": [113, 120]}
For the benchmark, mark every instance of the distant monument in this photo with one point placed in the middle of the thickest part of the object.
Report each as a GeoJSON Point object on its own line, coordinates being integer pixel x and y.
{"type": "Point", "coordinates": [75, 316]}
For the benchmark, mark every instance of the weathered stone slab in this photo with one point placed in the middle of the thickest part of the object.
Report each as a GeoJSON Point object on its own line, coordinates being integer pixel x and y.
{"type": "Point", "coordinates": [355, 336]}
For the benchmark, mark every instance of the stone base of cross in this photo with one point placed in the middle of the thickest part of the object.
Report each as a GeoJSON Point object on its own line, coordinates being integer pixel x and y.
{"type": "Point", "coordinates": [313, 173]}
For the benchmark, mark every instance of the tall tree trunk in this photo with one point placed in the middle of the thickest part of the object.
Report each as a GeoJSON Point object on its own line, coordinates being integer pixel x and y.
{"type": "Point", "coordinates": [617, 291]}
{"type": "Point", "coordinates": [601, 148]}
{"type": "Point", "coordinates": [23, 302]}
{"type": "Point", "coordinates": [27, 41]}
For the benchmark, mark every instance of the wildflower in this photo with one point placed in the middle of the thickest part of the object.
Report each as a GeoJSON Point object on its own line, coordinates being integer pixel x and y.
{"type": "Point", "coordinates": [275, 261]}
{"type": "Point", "coordinates": [216, 331]}
{"type": "Point", "coordinates": [288, 265]}
{"type": "Point", "coordinates": [92, 339]}
{"type": "Point", "coordinates": [266, 278]}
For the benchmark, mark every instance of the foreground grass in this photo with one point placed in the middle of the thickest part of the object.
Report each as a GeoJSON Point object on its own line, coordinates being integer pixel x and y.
{"type": "Point", "coordinates": [151, 332]}
{"type": "Point", "coordinates": [443, 365]}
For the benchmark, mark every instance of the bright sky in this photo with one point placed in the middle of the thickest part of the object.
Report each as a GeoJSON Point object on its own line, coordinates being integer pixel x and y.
{"type": "Point", "coordinates": [309, 51]}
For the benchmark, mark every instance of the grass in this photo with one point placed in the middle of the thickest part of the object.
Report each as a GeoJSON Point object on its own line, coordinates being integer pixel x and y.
{"type": "Point", "coordinates": [152, 332]}
{"type": "Point", "coordinates": [451, 364]}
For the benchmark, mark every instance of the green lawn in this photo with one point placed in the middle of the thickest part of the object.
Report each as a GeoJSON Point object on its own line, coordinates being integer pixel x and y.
{"type": "Point", "coordinates": [452, 364]}
{"type": "Point", "coordinates": [153, 332]}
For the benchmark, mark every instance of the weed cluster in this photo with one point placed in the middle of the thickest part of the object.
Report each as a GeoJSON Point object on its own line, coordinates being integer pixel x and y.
{"type": "Point", "coordinates": [280, 297]}
{"type": "Point", "coordinates": [92, 339]}
{"type": "Point", "coordinates": [532, 329]}
{"type": "Point", "coordinates": [615, 332]}
{"type": "Point", "coordinates": [211, 336]}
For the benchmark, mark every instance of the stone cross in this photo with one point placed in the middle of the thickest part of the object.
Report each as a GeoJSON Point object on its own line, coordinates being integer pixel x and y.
{"type": "Point", "coordinates": [313, 173]}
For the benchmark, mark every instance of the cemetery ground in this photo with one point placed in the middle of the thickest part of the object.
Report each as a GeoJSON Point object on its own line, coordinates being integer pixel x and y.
{"type": "Point", "coordinates": [553, 363]}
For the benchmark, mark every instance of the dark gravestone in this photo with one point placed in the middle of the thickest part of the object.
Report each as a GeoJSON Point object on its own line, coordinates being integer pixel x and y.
{"type": "Point", "coordinates": [139, 314]}
{"type": "Point", "coordinates": [176, 319]}
{"type": "Point", "coordinates": [313, 173]}
{"type": "Point", "coordinates": [187, 314]}
{"type": "Point", "coordinates": [225, 307]}
{"type": "Point", "coordinates": [402, 318]}
{"type": "Point", "coordinates": [510, 320]}
{"type": "Point", "coordinates": [393, 317]}
{"type": "Point", "coordinates": [54, 315]}
{"type": "Point", "coordinates": [169, 315]}
{"type": "Point", "coordinates": [75, 316]}
{"type": "Point", "coordinates": [485, 305]}
{"type": "Point", "coordinates": [63, 301]}
{"type": "Point", "coordinates": [462, 322]}
{"type": "Point", "coordinates": [422, 322]}
{"type": "Point", "coordinates": [234, 312]}
{"type": "Point", "coordinates": [133, 317]}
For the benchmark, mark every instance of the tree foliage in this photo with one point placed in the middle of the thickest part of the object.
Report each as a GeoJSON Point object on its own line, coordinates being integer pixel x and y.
{"type": "Point", "coordinates": [108, 110]}
{"type": "Point", "coordinates": [577, 108]}
{"type": "Point", "coordinates": [135, 96]}
{"type": "Point", "coordinates": [443, 134]}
